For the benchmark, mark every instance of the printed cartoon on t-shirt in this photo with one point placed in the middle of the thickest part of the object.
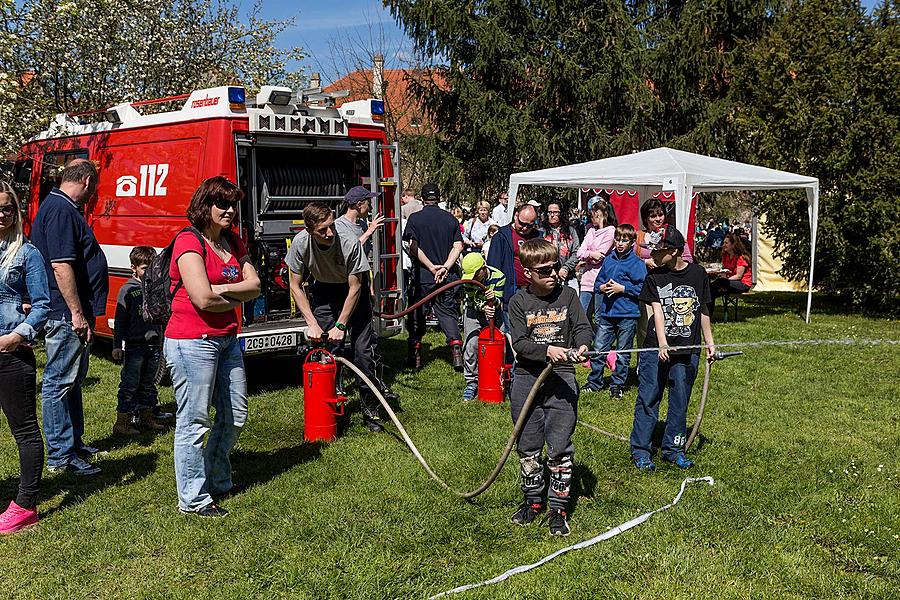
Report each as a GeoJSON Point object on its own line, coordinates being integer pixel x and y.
{"type": "Point", "coordinates": [545, 325]}
{"type": "Point", "coordinates": [679, 309]}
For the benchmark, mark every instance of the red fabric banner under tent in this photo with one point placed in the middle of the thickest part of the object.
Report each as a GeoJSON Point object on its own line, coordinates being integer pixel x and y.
{"type": "Point", "coordinates": [683, 174]}
{"type": "Point", "coordinates": [627, 206]}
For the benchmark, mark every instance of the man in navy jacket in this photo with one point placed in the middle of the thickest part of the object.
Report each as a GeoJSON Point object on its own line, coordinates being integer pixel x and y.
{"type": "Point", "coordinates": [504, 251]}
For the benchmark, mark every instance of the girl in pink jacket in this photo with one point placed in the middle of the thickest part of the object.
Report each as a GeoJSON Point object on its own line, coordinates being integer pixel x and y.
{"type": "Point", "coordinates": [597, 243]}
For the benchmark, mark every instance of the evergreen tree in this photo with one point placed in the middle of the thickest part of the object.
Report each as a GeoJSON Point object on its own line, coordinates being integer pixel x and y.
{"type": "Point", "coordinates": [525, 85]}
{"type": "Point", "coordinates": [819, 96]}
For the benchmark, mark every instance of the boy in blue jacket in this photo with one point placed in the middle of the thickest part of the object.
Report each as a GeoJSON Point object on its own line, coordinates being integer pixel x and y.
{"type": "Point", "coordinates": [618, 286]}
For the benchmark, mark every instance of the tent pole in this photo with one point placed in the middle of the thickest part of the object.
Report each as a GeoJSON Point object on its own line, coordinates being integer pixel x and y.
{"type": "Point", "coordinates": [812, 199]}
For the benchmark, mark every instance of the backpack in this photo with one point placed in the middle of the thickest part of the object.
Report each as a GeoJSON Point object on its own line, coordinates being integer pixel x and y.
{"type": "Point", "coordinates": [156, 283]}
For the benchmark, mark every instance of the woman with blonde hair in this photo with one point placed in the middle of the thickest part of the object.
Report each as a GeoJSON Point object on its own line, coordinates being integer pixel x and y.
{"type": "Point", "coordinates": [475, 232]}
{"type": "Point", "coordinates": [23, 280]}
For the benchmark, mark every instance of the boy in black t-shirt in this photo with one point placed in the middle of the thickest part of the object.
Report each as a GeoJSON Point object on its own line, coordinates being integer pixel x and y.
{"type": "Point", "coordinates": [547, 322]}
{"type": "Point", "coordinates": [679, 293]}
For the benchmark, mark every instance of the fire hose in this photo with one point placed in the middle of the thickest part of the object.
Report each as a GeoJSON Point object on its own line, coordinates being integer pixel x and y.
{"type": "Point", "coordinates": [520, 424]}
{"type": "Point", "coordinates": [700, 409]}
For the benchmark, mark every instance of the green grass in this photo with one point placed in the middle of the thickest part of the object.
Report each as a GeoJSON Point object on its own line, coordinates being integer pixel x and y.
{"type": "Point", "coordinates": [802, 444]}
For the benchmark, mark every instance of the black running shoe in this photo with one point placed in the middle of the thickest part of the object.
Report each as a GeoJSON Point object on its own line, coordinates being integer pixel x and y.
{"type": "Point", "coordinates": [373, 425]}
{"type": "Point", "coordinates": [558, 523]}
{"type": "Point", "coordinates": [526, 513]}
{"type": "Point", "coordinates": [210, 511]}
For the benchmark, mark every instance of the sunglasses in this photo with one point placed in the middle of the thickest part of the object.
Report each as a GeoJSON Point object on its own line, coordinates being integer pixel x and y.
{"type": "Point", "coordinates": [546, 270]}
{"type": "Point", "coordinates": [525, 225]}
{"type": "Point", "coordinates": [223, 204]}
{"type": "Point", "coordinates": [8, 210]}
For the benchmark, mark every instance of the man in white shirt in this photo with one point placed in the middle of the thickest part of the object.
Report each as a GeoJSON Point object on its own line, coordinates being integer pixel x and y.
{"type": "Point", "coordinates": [499, 215]}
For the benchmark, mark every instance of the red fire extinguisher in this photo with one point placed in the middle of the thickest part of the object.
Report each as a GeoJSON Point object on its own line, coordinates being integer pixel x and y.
{"type": "Point", "coordinates": [493, 372]}
{"type": "Point", "coordinates": [321, 404]}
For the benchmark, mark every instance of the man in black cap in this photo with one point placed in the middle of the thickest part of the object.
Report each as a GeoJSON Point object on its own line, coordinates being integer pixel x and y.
{"type": "Point", "coordinates": [435, 243]}
{"type": "Point", "coordinates": [338, 303]}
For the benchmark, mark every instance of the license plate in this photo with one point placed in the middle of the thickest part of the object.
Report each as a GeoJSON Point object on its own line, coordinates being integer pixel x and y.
{"type": "Point", "coordinates": [266, 343]}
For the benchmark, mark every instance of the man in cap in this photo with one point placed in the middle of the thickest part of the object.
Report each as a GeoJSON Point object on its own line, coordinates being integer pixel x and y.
{"type": "Point", "coordinates": [339, 302]}
{"type": "Point", "coordinates": [478, 307]}
{"type": "Point", "coordinates": [358, 203]}
{"type": "Point", "coordinates": [435, 243]}
{"type": "Point", "coordinates": [679, 293]}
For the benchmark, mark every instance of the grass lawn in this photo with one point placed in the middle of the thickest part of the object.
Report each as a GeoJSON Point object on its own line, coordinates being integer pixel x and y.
{"type": "Point", "coordinates": [802, 443]}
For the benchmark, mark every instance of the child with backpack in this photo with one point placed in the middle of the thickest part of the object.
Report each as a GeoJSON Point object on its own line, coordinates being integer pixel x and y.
{"type": "Point", "coordinates": [136, 344]}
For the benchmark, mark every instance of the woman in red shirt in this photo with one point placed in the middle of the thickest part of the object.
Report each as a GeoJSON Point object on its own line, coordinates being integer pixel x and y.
{"type": "Point", "coordinates": [736, 263]}
{"type": "Point", "coordinates": [201, 346]}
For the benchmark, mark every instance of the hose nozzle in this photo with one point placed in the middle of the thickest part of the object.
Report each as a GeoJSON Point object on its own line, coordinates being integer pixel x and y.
{"type": "Point", "coordinates": [723, 355]}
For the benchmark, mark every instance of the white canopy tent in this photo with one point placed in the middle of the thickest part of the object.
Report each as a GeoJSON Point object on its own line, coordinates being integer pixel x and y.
{"type": "Point", "coordinates": [685, 173]}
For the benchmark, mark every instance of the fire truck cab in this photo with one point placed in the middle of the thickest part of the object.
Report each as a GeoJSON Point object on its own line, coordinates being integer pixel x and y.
{"type": "Point", "coordinates": [284, 149]}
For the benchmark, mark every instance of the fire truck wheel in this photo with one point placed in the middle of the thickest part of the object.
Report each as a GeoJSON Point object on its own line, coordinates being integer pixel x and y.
{"type": "Point", "coordinates": [163, 377]}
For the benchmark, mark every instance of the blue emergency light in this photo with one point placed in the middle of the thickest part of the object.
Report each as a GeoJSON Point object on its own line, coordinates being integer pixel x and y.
{"type": "Point", "coordinates": [236, 95]}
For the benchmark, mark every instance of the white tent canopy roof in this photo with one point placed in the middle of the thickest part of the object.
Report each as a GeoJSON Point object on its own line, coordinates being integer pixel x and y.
{"type": "Point", "coordinates": [685, 173]}
{"type": "Point", "coordinates": [661, 169]}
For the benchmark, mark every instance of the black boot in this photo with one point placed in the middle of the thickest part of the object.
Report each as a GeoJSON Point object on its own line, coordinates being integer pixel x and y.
{"type": "Point", "coordinates": [456, 354]}
{"type": "Point", "coordinates": [414, 358]}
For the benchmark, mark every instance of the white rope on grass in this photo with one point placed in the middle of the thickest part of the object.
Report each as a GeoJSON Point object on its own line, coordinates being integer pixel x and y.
{"type": "Point", "coordinates": [600, 538]}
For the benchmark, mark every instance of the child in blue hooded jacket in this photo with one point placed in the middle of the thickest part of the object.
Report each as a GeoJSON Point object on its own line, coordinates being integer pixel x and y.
{"type": "Point", "coordinates": [617, 288]}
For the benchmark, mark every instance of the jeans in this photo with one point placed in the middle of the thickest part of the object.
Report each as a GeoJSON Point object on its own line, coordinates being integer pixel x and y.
{"type": "Point", "coordinates": [609, 329]}
{"type": "Point", "coordinates": [679, 373]}
{"type": "Point", "coordinates": [206, 372]}
{"type": "Point", "coordinates": [61, 402]}
{"type": "Point", "coordinates": [137, 385]}
{"type": "Point", "coordinates": [17, 398]}
{"type": "Point", "coordinates": [587, 303]}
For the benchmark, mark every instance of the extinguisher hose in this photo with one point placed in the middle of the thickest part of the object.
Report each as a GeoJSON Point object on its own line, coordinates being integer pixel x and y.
{"type": "Point", "coordinates": [514, 436]}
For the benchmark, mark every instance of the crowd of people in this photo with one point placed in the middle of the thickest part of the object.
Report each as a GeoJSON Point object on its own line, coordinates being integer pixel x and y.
{"type": "Point", "coordinates": [556, 285]}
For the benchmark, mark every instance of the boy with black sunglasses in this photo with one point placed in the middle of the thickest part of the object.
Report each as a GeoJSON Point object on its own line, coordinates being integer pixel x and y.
{"type": "Point", "coordinates": [547, 322]}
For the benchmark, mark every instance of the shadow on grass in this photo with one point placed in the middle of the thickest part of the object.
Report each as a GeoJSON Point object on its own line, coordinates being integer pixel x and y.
{"type": "Point", "coordinates": [75, 488]}
{"type": "Point", "coordinates": [252, 467]}
{"type": "Point", "coordinates": [584, 485]}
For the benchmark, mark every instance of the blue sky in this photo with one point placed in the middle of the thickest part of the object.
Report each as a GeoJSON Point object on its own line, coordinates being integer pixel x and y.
{"type": "Point", "coordinates": [321, 26]}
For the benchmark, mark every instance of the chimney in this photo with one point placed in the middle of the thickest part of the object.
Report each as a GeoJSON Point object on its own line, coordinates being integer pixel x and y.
{"type": "Point", "coordinates": [315, 81]}
{"type": "Point", "coordinates": [378, 77]}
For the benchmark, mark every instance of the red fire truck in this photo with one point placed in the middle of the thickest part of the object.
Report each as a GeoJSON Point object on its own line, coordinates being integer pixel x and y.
{"type": "Point", "coordinates": [284, 150]}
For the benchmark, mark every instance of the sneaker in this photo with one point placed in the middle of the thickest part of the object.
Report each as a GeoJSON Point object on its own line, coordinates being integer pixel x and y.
{"type": "Point", "coordinates": [643, 464]}
{"type": "Point", "coordinates": [17, 518]}
{"type": "Point", "coordinates": [372, 424]}
{"type": "Point", "coordinates": [592, 387]}
{"type": "Point", "coordinates": [616, 393]}
{"type": "Point", "coordinates": [558, 523]}
{"type": "Point", "coordinates": [681, 461]}
{"type": "Point", "coordinates": [470, 392]}
{"type": "Point", "coordinates": [161, 415]}
{"type": "Point", "coordinates": [76, 466]}
{"type": "Point", "coordinates": [86, 450]}
{"type": "Point", "coordinates": [210, 511]}
{"type": "Point", "coordinates": [526, 513]}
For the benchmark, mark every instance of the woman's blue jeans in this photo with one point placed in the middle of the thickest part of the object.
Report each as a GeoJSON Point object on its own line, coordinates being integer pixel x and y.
{"type": "Point", "coordinates": [206, 373]}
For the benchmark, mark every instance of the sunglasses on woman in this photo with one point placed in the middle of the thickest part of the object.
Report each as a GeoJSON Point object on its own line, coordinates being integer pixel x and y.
{"type": "Point", "coordinates": [8, 210]}
{"type": "Point", "coordinates": [223, 204]}
{"type": "Point", "coordinates": [546, 270]}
